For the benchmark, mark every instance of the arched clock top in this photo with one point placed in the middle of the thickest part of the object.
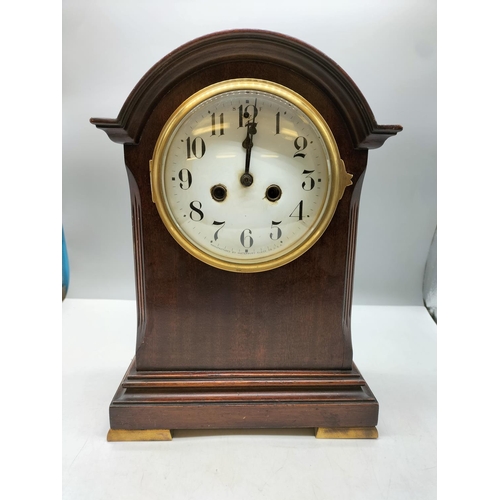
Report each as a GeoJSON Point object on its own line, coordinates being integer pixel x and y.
{"type": "Point", "coordinates": [253, 46]}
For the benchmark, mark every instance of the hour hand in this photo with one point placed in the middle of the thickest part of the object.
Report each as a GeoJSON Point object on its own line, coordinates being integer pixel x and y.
{"type": "Point", "coordinates": [247, 143]}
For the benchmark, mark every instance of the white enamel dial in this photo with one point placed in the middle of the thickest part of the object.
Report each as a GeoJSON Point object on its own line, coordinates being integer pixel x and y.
{"type": "Point", "coordinates": [245, 177]}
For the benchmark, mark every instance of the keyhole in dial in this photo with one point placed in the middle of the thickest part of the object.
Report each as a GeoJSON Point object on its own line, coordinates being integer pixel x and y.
{"type": "Point", "coordinates": [273, 192]}
{"type": "Point", "coordinates": [219, 192]}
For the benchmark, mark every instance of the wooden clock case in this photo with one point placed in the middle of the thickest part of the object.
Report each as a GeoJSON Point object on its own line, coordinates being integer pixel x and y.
{"type": "Point", "coordinates": [218, 349]}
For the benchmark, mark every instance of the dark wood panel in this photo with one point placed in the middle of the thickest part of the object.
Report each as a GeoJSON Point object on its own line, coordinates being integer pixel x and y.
{"type": "Point", "coordinates": [245, 416]}
{"type": "Point", "coordinates": [200, 317]}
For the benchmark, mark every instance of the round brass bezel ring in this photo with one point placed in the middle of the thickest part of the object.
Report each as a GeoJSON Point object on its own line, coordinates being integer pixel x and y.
{"type": "Point", "coordinates": [339, 179]}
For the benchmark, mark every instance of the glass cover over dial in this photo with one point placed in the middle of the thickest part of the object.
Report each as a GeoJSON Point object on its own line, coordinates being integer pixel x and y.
{"type": "Point", "coordinates": [246, 175]}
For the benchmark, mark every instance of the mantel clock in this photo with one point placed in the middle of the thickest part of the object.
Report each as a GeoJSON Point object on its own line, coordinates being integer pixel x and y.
{"type": "Point", "coordinates": [245, 152]}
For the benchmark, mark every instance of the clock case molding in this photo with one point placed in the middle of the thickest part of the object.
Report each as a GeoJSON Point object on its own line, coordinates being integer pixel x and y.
{"type": "Point", "coordinates": [217, 349]}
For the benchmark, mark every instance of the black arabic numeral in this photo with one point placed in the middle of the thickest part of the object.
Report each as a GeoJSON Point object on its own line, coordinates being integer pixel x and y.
{"type": "Point", "coordinates": [299, 208]}
{"type": "Point", "coordinates": [186, 179]}
{"type": "Point", "coordinates": [246, 114]}
{"type": "Point", "coordinates": [218, 129]}
{"type": "Point", "coordinates": [308, 186]}
{"type": "Point", "coordinates": [246, 238]}
{"type": "Point", "coordinates": [196, 210]}
{"type": "Point", "coordinates": [217, 223]}
{"type": "Point", "coordinates": [196, 147]}
{"type": "Point", "coordinates": [300, 144]}
{"type": "Point", "coordinates": [274, 225]}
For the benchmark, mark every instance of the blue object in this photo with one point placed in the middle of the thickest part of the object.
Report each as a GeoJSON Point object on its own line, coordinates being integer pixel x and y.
{"type": "Point", "coordinates": [65, 267]}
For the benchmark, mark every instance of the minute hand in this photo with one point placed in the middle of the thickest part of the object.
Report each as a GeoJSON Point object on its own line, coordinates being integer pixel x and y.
{"type": "Point", "coordinates": [246, 178]}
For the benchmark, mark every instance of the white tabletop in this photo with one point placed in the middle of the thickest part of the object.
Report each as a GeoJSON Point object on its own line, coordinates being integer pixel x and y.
{"type": "Point", "coordinates": [395, 350]}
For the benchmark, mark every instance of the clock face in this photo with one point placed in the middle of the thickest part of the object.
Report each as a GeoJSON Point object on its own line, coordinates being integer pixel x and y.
{"type": "Point", "coordinates": [246, 175]}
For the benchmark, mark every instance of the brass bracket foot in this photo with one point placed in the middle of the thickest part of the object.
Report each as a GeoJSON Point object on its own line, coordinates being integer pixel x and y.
{"type": "Point", "coordinates": [139, 435]}
{"type": "Point", "coordinates": [166, 434]}
{"type": "Point", "coordinates": [346, 433]}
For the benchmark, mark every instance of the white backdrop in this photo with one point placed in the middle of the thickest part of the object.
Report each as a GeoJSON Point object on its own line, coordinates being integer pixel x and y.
{"type": "Point", "coordinates": [387, 47]}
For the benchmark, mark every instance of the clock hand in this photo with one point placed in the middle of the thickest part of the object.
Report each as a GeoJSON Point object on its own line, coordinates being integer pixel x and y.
{"type": "Point", "coordinates": [247, 179]}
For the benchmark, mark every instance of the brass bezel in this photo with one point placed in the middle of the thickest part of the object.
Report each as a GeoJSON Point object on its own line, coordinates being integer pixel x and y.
{"type": "Point", "coordinates": [339, 179]}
